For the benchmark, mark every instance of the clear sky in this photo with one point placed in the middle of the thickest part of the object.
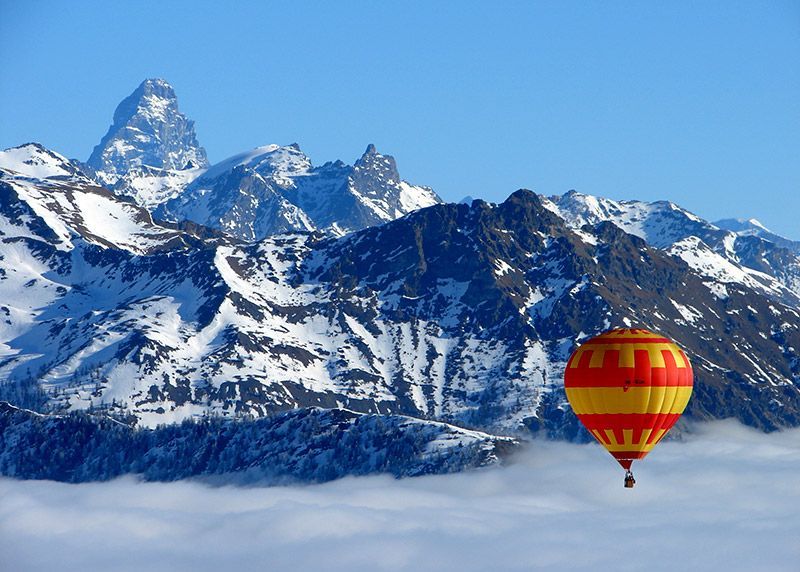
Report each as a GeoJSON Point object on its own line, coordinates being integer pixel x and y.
{"type": "Point", "coordinates": [695, 102]}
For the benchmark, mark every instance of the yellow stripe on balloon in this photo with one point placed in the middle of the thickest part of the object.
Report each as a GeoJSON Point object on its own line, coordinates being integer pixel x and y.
{"type": "Point", "coordinates": [629, 445]}
{"type": "Point", "coordinates": [576, 357]}
{"type": "Point", "coordinates": [598, 436]}
{"type": "Point", "coordinates": [648, 399]}
{"type": "Point", "coordinates": [627, 436]}
{"type": "Point", "coordinates": [680, 358]}
{"type": "Point", "coordinates": [681, 400]}
{"type": "Point", "coordinates": [642, 446]}
{"type": "Point", "coordinates": [659, 434]}
{"type": "Point", "coordinates": [627, 357]}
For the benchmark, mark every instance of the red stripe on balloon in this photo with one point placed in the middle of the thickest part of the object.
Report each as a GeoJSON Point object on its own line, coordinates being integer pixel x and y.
{"type": "Point", "coordinates": [612, 375]}
{"type": "Point", "coordinates": [603, 421]}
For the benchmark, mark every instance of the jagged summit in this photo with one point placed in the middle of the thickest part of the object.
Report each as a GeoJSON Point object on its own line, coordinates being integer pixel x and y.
{"type": "Point", "coordinates": [381, 169]}
{"type": "Point", "coordinates": [151, 155]}
{"type": "Point", "coordinates": [149, 92]}
{"type": "Point", "coordinates": [273, 188]}
{"type": "Point", "coordinates": [148, 131]}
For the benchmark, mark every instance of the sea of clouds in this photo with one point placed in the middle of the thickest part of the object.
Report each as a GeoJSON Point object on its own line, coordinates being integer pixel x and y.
{"type": "Point", "coordinates": [727, 498]}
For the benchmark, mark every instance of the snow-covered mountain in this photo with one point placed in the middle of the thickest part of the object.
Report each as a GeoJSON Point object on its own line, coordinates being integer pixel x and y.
{"type": "Point", "coordinates": [243, 195]}
{"type": "Point", "coordinates": [747, 254]}
{"type": "Point", "coordinates": [744, 226]}
{"type": "Point", "coordinates": [266, 286]}
{"type": "Point", "coordinates": [148, 136]}
{"type": "Point", "coordinates": [151, 155]}
{"type": "Point", "coordinates": [459, 313]}
{"type": "Point", "coordinates": [46, 197]}
{"type": "Point", "coordinates": [751, 227]}
{"type": "Point", "coordinates": [660, 223]}
{"type": "Point", "coordinates": [275, 189]}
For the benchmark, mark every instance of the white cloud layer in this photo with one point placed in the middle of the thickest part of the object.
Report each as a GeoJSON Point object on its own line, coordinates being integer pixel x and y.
{"type": "Point", "coordinates": [726, 499]}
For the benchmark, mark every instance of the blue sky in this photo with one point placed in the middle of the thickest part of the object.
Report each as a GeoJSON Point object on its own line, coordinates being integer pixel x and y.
{"type": "Point", "coordinates": [698, 103]}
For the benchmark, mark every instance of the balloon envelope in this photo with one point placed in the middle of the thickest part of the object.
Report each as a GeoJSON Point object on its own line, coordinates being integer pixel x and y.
{"type": "Point", "coordinates": [628, 387]}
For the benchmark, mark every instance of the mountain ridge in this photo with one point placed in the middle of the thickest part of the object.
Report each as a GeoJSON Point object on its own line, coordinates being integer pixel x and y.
{"type": "Point", "coordinates": [766, 261]}
{"type": "Point", "coordinates": [274, 188]}
{"type": "Point", "coordinates": [462, 313]}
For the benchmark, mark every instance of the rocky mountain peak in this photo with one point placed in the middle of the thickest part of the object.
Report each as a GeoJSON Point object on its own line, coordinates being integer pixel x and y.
{"type": "Point", "coordinates": [148, 130]}
{"type": "Point", "coordinates": [152, 95]}
{"type": "Point", "coordinates": [382, 168]}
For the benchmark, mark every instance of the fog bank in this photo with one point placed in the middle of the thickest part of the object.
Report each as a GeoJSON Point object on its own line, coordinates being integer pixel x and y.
{"type": "Point", "coordinates": [727, 498]}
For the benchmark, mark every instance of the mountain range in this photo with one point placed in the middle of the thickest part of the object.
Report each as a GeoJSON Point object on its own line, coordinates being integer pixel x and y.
{"type": "Point", "coordinates": [149, 286]}
{"type": "Point", "coordinates": [151, 154]}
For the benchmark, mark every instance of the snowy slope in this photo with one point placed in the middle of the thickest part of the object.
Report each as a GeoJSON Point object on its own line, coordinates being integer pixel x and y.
{"type": "Point", "coordinates": [758, 258]}
{"type": "Point", "coordinates": [150, 187]}
{"type": "Point", "coordinates": [63, 204]}
{"type": "Point", "coordinates": [660, 223]}
{"type": "Point", "coordinates": [34, 161]}
{"type": "Point", "coordinates": [752, 227]}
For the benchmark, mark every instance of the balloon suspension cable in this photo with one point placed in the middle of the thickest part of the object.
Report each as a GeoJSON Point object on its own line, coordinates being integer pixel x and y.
{"type": "Point", "coordinates": [629, 480]}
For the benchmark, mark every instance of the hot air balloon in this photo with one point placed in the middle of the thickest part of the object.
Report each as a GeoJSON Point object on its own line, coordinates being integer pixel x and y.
{"type": "Point", "coordinates": [628, 387]}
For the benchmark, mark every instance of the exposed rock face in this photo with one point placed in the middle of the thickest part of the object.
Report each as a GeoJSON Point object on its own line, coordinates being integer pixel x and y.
{"type": "Point", "coordinates": [149, 137]}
